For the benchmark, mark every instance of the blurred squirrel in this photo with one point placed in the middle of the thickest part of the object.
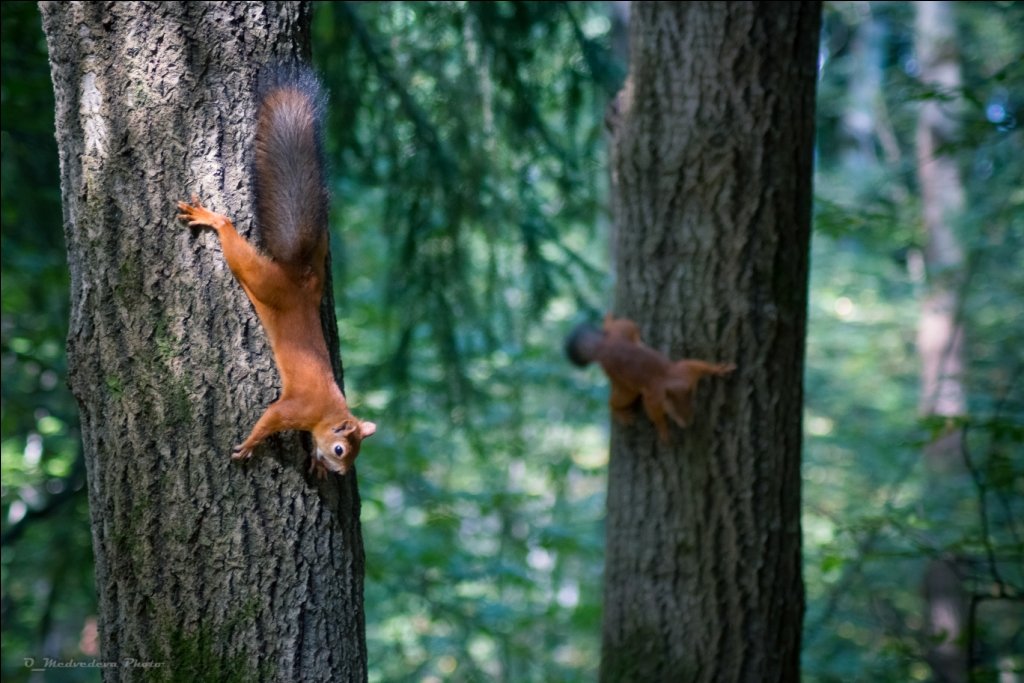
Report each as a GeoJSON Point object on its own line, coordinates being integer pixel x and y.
{"type": "Point", "coordinates": [637, 372]}
{"type": "Point", "coordinates": [285, 281]}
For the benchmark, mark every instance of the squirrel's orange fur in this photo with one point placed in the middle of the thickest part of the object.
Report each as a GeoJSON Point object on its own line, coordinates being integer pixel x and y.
{"type": "Point", "coordinates": [286, 285]}
{"type": "Point", "coordinates": [638, 372]}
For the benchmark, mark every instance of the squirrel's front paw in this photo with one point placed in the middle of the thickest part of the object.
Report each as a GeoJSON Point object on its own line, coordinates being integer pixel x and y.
{"type": "Point", "coordinates": [241, 452]}
{"type": "Point", "coordinates": [197, 216]}
{"type": "Point", "coordinates": [316, 467]}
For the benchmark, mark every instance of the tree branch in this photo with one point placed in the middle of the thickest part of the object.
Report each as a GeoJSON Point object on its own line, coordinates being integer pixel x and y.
{"type": "Point", "coordinates": [981, 490]}
{"type": "Point", "coordinates": [424, 130]}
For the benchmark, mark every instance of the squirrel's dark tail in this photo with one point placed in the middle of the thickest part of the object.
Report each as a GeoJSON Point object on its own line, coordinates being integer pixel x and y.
{"type": "Point", "coordinates": [288, 168]}
{"type": "Point", "coordinates": [582, 344]}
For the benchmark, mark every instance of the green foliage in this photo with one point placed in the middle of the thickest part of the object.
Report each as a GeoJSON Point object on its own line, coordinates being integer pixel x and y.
{"type": "Point", "coordinates": [875, 515]}
{"type": "Point", "coordinates": [47, 556]}
{"type": "Point", "coordinates": [471, 196]}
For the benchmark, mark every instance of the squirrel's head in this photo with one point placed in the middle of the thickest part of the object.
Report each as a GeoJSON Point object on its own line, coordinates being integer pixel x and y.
{"type": "Point", "coordinates": [337, 444]}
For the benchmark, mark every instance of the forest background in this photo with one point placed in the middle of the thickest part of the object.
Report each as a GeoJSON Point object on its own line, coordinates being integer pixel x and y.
{"type": "Point", "coordinates": [482, 125]}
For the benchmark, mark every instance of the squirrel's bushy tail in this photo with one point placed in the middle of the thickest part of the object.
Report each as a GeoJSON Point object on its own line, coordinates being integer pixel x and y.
{"type": "Point", "coordinates": [582, 343]}
{"type": "Point", "coordinates": [288, 169]}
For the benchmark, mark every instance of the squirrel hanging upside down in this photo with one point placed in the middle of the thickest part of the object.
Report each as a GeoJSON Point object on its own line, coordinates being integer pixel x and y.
{"type": "Point", "coordinates": [637, 372]}
{"type": "Point", "coordinates": [285, 284]}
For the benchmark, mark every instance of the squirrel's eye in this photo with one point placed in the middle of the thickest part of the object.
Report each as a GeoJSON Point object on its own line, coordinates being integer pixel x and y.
{"type": "Point", "coordinates": [338, 449]}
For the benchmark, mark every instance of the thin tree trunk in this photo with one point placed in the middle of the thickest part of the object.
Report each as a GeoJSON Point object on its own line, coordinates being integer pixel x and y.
{"type": "Point", "coordinates": [940, 333]}
{"type": "Point", "coordinates": [940, 336]}
{"type": "Point", "coordinates": [210, 569]}
{"type": "Point", "coordinates": [712, 169]}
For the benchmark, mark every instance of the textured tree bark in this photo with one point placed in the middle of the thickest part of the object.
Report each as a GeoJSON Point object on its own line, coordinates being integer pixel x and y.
{"type": "Point", "coordinates": [712, 170]}
{"type": "Point", "coordinates": [940, 336]}
{"type": "Point", "coordinates": [210, 569]}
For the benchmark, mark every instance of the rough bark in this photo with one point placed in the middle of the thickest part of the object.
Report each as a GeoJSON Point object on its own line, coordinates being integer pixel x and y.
{"type": "Point", "coordinates": [211, 569]}
{"type": "Point", "coordinates": [712, 170]}
{"type": "Point", "coordinates": [940, 343]}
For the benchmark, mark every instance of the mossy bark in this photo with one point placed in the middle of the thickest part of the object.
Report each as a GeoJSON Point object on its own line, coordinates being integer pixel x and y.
{"type": "Point", "coordinates": [203, 565]}
{"type": "Point", "coordinates": [712, 149]}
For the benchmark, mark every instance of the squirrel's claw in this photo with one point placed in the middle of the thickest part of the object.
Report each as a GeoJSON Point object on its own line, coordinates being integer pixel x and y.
{"type": "Point", "coordinates": [196, 215]}
{"type": "Point", "coordinates": [316, 467]}
{"type": "Point", "coordinates": [185, 212]}
{"type": "Point", "coordinates": [241, 452]}
{"type": "Point", "coordinates": [188, 211]}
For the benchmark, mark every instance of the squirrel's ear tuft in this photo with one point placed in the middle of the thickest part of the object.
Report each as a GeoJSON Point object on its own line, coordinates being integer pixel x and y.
{"type": "Point", "coordinates": [367, 429]}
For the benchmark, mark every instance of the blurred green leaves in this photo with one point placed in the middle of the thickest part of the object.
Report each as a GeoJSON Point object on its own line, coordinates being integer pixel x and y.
{"type": "Point", "coordinates": [469, 200]}
{"type": "Point", "coordinates": [47, 559]}
{"type": "Point", "coordinates": [874, 514]}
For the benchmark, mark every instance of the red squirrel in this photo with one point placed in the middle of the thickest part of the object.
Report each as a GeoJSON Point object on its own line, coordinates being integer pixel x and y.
{"type": "Point", "coordinates": [286, 283]}
{"type": "Point", "coordinates": [637, 371]}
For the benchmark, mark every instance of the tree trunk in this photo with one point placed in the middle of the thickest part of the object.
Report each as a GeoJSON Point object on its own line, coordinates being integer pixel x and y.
{"type": "Point", "coordinates": [940, 333]}
{"type": "Point", "coordinates": [712, 170]}
{"type": "Point", "coordinates": [940, 337]}
{"type": "Point", "coordinates": [207, 568]}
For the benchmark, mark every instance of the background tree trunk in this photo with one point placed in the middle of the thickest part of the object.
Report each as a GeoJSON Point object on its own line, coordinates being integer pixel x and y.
{"type": "Point", "coordinates": [940, 342]}
{"type": "Point", "coordinates": [216, 570]}
{"type": "Point", "coordinates": [712, 169]}
{"type": "Point", "coordinates": [940, 336]}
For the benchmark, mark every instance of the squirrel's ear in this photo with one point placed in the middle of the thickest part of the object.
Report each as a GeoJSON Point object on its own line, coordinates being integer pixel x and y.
{"type": "Point", "coordinates": [608, 319]}
{"type": "Point", "coordinates": [367, 429]}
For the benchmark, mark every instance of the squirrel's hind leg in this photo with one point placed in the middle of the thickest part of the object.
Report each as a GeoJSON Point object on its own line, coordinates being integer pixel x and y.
{"type": "Point", "coordinates": [655, 402]}
{"type": "Point", "coordinates": [621, 402]}
{"type": "Point", "coordinates": [679, 405]}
